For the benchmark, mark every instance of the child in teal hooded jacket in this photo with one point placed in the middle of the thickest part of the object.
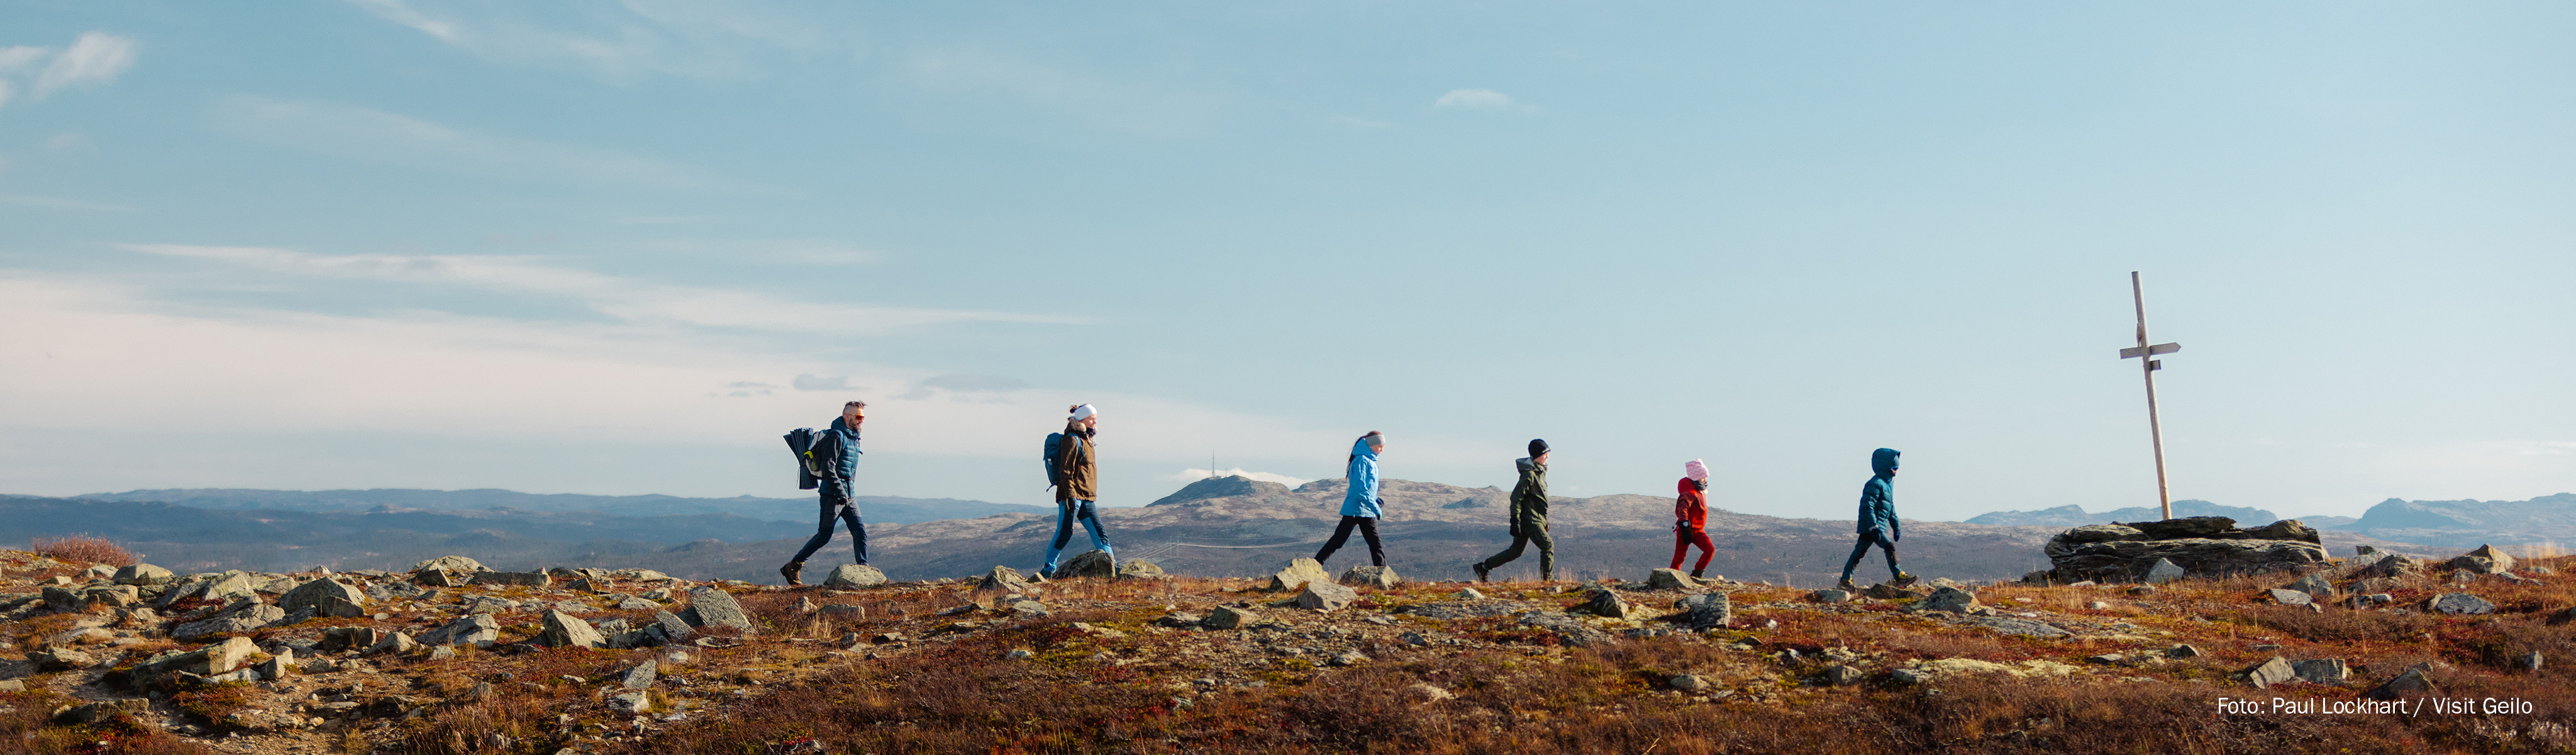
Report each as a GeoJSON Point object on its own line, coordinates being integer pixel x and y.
{"type": "Point", "coordinates": [1878, 523]}
{"type": "Point", "coordinates": [1361, 505]}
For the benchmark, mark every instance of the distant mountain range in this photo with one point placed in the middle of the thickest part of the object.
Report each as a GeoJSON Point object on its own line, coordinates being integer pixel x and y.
{"type": "Point", "coordinates": [2075, 516]}
{"type": "Point", "coordinates": [1225, 526]}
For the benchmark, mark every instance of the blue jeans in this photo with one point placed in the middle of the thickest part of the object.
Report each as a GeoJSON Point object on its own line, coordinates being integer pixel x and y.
{"type": "Point", "coordinates": [836, 502]}
{"type": "Point", "coordinates": [1066, 513]}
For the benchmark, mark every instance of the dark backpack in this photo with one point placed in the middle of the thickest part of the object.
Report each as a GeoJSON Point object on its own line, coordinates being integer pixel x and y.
{"type": "Point", "coordinates": [1054, 444]}
{"type": "Point", "coordinates": [809, 470]}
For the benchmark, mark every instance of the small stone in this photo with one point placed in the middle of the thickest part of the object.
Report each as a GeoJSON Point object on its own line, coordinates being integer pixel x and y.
{"type": "Point", "coordinates": [2290, 597]}
{"type": "Point", "coordinates": [1320, 595]}
{"type": "Point", "coordinates": [1229, 617]}
{"type": "Point", "coordinates": [1426, 693]}
{"type": "Point", "coordinates": [2142, 590]}
{"type": "Point", "coordinates": [642, 675]}
{"type": "Point", "coordinates": [712, 607]}
{"type": "Point", "coordinates": [1179, 620]}
{"type": "Point", "coordinates": [441, 652]}
{"type": "Point", "coordinates": [2106, 658]}
{"type": "Point", "coordinates": [852, 576]}
{"type": "Point", "coordinates": [1019, 654]}
{"type": "Point", "coordinates": [1005, 579]}
{"type": "Point", "coordinates": [2529, 661]}
{"type": "Point", "coordinates": [2164, 570]}
{"type": "Point", "coordinates": [1350, 658]}
{"type": "Point", "coordinates": [2098, 605]}
{"type": "Point", "coordinates": [1689, 683]}
{"type": "Point", "coordinates": [2315, 585]}
{"type": "Point", "coordinates": [1950, 599]}
{"type": "Point", "coordinates": [397, 644]}
{"type": "Point", "coordinates": [2183, 651]}
{"type": "Point", "coordinates": [2271, 671]}
{"type": "Point", "coordinates": [1469, 594]}
{"type": "Point", "coordinates": [143, 574]}
{"type": "Point", "coordinates": [1841, 675]}
{"type": "Point", "coordinates": [1708, 610]}
{"type": "Point", "coordinates": [1030, 609]}
{"type": "Point", "coordinates": [1140, 569]}
{"type": "Point", "coordinates": [631, 703]}
{"type": "Point", "coordinates": [1602, 602]}
{"type": "Point", "coordinates": [1299, 572]}
{"type": "Point", "coordinates": [61, 659]}
{"type": "Point", "coordinates": [1889, 591]}
{"type": "Point", "coordinates": [1830, 596]}
{"type": "Point", "coordinates": [476, 629]}
{"type": "Point", "coordinates": [1907, 677]}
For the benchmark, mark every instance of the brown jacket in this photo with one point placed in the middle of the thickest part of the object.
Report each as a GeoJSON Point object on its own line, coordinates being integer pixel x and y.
{"type": "Point", "coordinates": [1080, 470]}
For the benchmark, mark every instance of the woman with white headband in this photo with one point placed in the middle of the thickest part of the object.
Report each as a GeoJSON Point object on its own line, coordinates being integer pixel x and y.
{"type": "Point", "coordinates": [1077, 486]}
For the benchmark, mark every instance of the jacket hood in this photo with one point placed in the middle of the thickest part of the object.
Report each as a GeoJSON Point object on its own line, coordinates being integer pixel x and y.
{"type": "Point", "coordinates": [1361, 449]}
{"type": "Point", "coordinates": [1883, 461]}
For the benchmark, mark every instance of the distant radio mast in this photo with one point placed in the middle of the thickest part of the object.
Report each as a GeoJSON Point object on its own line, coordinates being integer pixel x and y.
{"type": "Point", "coordinates": [2146, 355]}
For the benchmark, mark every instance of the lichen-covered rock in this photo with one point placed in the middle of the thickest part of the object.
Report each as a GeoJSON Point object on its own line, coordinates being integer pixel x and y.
{"type": "Point", "coordinates": [1709, 610]}
{"type": "Point", "coordinates": [2459, 603]}
{"type": "Point", "coordinates": [1830, 596]}
{"type": "Point", "coordinates": [1298, 573]}
{"type": "Point", "coordinates": [2164, 570]}
{"type": "Point", "coordinates": [1378, 577]}
{"type": "Point", "coordinates": [244, 617]}
{"type": "Point", "coordinates": [143, 574]}
{"type": "Point", "coordinates": [2410, 684]}
{"type": "Point", "coordinates": [711, 607]}
{"type": "Point", "coordinates": [2290, 597]}
{"type": "Point", "coordinates": [848, 576]}
{"type": "Point", "coordinates": [2322, 670]}
{"type": "Point", "coordinates": [1670, 579]}
{"type": "Point", "coordinates": [396, 644]}
{"type": "Point", "coordinates": [1228, 617]}
{"type": "Point", "coordinates": [642, 675]}
{"type": "Point", "coordinates": [566, 630]}
{"type": "Point", "coordinates": [1950, 599]}
{"type": "Point", "coordinates": [2315, 585]}
{"type": "Point", "coordinates": [1005, 579]}
{"type": "Point", "coordinates": [478, 630]}
{"type": "Point", "coordinates": [2128, 560]}
{"type": "Point", "coordinates": [1140, 569]}
{"type": "Point", "coordinates": [1603, 602]}
{"type": "Point", "coordinates": [449, 563]}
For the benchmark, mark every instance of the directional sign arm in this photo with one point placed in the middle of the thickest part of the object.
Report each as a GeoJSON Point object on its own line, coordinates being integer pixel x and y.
{"type": "Point", "coordinates": [2158, 349]}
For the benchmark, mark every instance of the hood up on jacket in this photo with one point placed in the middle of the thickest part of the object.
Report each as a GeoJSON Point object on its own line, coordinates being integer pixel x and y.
{"type": "Point", "coordinates": [1362, 498]}
{"type": "Point", "coordinates": [1882, 462]}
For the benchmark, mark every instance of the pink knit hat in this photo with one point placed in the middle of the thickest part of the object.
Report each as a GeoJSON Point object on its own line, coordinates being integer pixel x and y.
{"type": "Point", "coordinates": [1696, 469]}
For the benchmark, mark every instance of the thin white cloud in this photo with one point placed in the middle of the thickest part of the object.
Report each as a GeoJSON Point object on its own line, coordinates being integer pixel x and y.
{"type": "Point", "coordinates": [58, 203]}
{"type": "Point", "coordinates": [1194, 475]}
{"type": "Point", "coordinates": [663, 219]}
{"type": "Point", "coordinates": [783, 251]}
{"type": "Point", "coordinates": [1477, 99]}
{"type": "Point", "coordinates": [14, 58]}
{"type": "Point", "coordinates": [628, 300]}
{"type": "Point", "coordinates": [377, 136]}
{"type": "Point", "coordinates": [624, 41]}
{"type": "Point", "coordinates": [94, 58]}
{"type": "Point", "coordinates": [6, 91]}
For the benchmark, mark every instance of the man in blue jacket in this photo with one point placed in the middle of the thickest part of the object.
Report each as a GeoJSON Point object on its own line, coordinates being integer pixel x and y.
{"type": "Point", "coordinates": [1361, 505]}
{"type": "Point", "coordinates": [1878, 523]}
{"type": "Point", "coordinates": [839, 447]}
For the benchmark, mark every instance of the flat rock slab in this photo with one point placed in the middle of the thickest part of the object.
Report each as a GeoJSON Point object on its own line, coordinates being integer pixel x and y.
{"type": "Point", "coordinates": [2460, 603]}
{"type": "Point", "coordinates": [327, 597]}
{"type": "Point", "coordinates": [2117, 553]}
{"type": "Point", "coordinates": [1572, 631]}
{"type": "Point", "coordinates": [566, 630]}
{"type": "Point", "coordinates": [2290, 597]}
{"type": "Point", "coordinates": [1092, 563]}
{"type": "Point", "coordinates": [1320, 595]}
{"type": "Point", "coordinates": [1950, 599]}
{"type": "Point", "coordinates": [1380, 577]}
{"type": "Point", "coordinates": [1298, 573]}
{"type": "Point", "coordinates": [1670, 579]}
{"type": "Point", "coordinates": [478, 629]}
{"type": "Point", "coordinates": [2271, 671]}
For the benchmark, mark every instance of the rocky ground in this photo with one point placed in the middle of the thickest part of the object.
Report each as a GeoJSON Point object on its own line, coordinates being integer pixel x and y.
{"type": "Point", "coordinates": [452, 658]}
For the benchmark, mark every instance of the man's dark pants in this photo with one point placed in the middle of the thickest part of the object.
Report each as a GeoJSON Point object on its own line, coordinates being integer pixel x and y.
{"type": "Point", "coordinates": [836, 502]}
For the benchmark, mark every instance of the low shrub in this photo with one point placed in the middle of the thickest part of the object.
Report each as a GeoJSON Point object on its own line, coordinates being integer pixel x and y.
{"type": "Point", "coordinates": [82, 549]}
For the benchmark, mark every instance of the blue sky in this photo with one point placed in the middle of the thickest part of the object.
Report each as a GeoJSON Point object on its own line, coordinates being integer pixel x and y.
{"type": "Point", "coordinates": [620, 248]}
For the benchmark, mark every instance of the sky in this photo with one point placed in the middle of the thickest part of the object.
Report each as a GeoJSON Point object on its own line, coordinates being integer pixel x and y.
{"type": "Point", "coordinates": [621, 248]}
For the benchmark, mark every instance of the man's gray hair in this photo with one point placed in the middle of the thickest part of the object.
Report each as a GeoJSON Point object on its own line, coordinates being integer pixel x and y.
{"type": "Point", "coordinates": [859, 404]}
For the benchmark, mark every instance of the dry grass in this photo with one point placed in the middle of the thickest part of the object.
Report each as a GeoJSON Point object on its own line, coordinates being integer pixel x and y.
{"type": "Point", "coordinates": [26, 729]}
{"type": "Point", "coordinates": [82, 549]}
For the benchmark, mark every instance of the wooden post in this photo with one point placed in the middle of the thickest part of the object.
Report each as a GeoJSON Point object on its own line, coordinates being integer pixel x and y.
{"type": "Point", "coordinates": [2147, 365]}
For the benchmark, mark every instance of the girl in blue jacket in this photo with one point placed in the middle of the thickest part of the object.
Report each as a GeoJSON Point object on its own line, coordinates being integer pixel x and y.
{"type": "Point", "coordinates": [1878, 523]}
{"type": "Point", "coordinates": [1361, 506]}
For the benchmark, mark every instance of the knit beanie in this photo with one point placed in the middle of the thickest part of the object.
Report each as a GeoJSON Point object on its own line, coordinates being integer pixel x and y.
{"type": "Point", "coordinates": [1696, 469]}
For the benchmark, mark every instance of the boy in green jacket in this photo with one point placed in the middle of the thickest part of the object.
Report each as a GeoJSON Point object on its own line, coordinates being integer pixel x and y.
{"type": "Point", "coordinates": [1529, 518]}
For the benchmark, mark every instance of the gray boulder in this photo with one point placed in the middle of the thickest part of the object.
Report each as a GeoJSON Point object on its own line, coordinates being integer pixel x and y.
{"type": "Point", "coordinates": [1950, 599]}
{"type": "Point", "coordinates": [1320, 595]}
{"type": "Point", "coordinates": [2164, 570]}
{"type": "Point", "coordinates": [566, 630]}
{"type": "Point", "coordinates": [449, 563]}
{"type": "Point", "coordinates": [1603, 602]}
{"type": "Point", "coordinates": [327, 597]}
{"type": "Point", "coordinates": [1299, 572]}
{"type": "Point", "coordinates": [396, 644]}
{"type": "Point", "coordinates": [667, 628]}
{"type": "Point", "coordinates": [1140, 569]}
{"type": "Point", "coordinates": [1711, 610]}
{"type": "Point", "coordinates": [2412, 683]}
{"type": "Point", "coordinates": [2485, 560]}
{"type": "Point", "coordinates": [2459, 603]}
{"type": "Point", "coordinates": [1228, 617]}
{"type": "Point", "coordinates": [232, 586]}
{"type": "Point", "coordinates": [711, 607]}
{"type": "Point", "coordinates": [2291, 597]}
{"type": "Point", "coordinates": [2315, 585]}
{"type": "Point", "coordinates": [1830, 596]}
{"type": "Point", "coordinates": [848, 576]}
{"type": "Point", "coordinates": [143, 574]}
{"type": "Point", "coordinates": [1092, 563]}
{"type": "Point", "coordinates": [1379, 577]}
{"type": "Point", "coordinates": [642, 675]}
{"type": "Point", "coordinates": [1670, 579]}
{"type": "Point", "coordinates": [2271, 671]}
{"type": "Point", "coordinates": [1005, 579]}
{"type": "Point", "coordinates": [477, 630]}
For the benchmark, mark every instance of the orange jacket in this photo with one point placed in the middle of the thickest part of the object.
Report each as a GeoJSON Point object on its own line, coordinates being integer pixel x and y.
{"type": "Point", "coordinates": [1692, 507]}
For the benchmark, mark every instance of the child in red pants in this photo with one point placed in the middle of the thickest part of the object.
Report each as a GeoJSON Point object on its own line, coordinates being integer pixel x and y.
{"type": "Point", "coordinates": [1690, 514]}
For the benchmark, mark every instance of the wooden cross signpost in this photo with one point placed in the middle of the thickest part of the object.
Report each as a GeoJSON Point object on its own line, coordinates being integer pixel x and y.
{"type": "Point", "coordinates": [2147, 354]}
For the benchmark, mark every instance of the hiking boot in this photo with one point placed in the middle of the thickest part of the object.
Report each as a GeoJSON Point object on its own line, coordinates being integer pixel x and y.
{"type": "Point", "coordinates": [1483, 574]}
{"type": "Point", "coordinates": [1905, 580]}
{"type": "Point", "coordinates": [793, 571]}
{"type": "Point", "coordinates": [1695, 573]}
{"type": "Point", "coordinates": [1845, 584]}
